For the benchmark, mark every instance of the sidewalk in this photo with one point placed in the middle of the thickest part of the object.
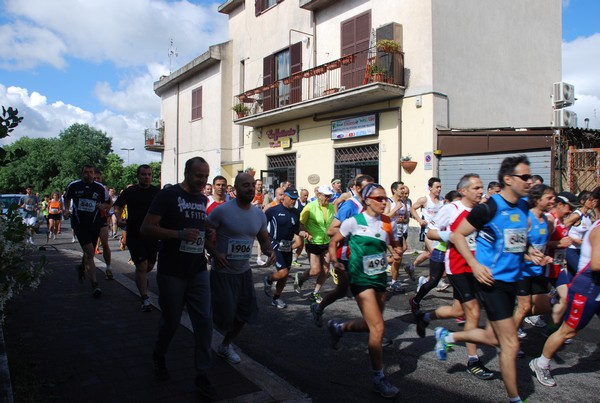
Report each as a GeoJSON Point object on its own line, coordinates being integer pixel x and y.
{"type": "Point", "coordinates": [87, 349]}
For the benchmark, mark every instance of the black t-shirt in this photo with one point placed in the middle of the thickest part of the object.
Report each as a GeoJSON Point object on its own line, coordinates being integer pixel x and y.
{"type": "Point", "coordinates": [282, 222]}
{"type": "Point", "coordinates": [138, 201]}
{"type": "Point", "coordinates": [85, 198]}
{"type": "Point", "coordinates": [179, 210]}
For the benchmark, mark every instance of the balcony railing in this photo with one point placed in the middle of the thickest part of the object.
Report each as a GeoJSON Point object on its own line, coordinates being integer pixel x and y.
{"type": "Point", "coordinates": [348, 72]}
{"type": "Point", "coordinates": [154, 139]}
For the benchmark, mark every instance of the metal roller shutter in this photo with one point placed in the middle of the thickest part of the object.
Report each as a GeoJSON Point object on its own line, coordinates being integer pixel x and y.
{"type": "Point", "coordinates": [451, 169]}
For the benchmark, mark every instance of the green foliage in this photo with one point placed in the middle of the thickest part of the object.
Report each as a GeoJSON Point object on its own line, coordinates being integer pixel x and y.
{"type": "Point", "coordinates": [17, 271]}
{"type": "Point", "coordinates": [9, 120]}
{"type": "Point", "coordinates": [82, 144]}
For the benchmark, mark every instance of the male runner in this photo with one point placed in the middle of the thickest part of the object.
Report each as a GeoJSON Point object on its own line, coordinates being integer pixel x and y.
{"type": "Point", "coordinates": [138, 199]}
{"type": "Point", "coordinates": [400, 214]}
{"type": "Point", "coordinates": [301, 202]}
{"type": "Point", "coordinates": [219, 193]}
{"type": "Point", "coordinates": [336, 186]}
{"type": "Point", "coordinates": [29, 204]}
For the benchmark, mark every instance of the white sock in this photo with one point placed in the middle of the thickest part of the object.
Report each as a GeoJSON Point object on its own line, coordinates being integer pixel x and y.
{"type": "Point", "coordinates": [543, 362]}
{"type": "Point", "coordinates": [449, 338]}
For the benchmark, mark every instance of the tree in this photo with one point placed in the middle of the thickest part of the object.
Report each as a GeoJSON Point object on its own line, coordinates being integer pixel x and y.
{"type": "Point", "coordinates": [9, 120]}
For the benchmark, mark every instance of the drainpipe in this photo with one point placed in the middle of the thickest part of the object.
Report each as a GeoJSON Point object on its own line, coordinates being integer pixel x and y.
{"type": "Point", "coordinates": [177, 139]}
{"type": "Point", "coordinates": [399, 176]}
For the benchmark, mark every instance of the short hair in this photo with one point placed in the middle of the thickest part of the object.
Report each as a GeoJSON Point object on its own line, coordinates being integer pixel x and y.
{"type": "Point", "coordinates": [493, 184]}
{"type": "Point", "coordinates": [219, 178]}
{"type": "Point", "coordinates": [88, 166]}
{"type": "Point", "coordinates": [596, 193]}
{"type": "Point", "coordinates": [536, 193]}
{"type": "Point", "coordinates": [189, 163]}
{"type": "Point", "coordinates": [584, 196]}
{"type": "Point", "coordinates": [465, 180]}
{"type": "Point", "coordinates": [451, 195]}
{"type": "Point", "coordinates": [433, 180]}
{"type": "Point", "coordinates": [394, 186]}
{"type": "Point", "coordinates": [508, 166]}
{"type": "Point", "coordinates": [363, 178]}
{"type": "Point", "coordinates": [142, 166]}
{"type": "Point", "coordinates": [537, 178]}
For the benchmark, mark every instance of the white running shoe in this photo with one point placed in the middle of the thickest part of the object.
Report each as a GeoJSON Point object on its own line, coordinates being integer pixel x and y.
{"type": "Point", "coordinates": [422, 281]}
{"type": "Point", "coordinates": [536, 321]}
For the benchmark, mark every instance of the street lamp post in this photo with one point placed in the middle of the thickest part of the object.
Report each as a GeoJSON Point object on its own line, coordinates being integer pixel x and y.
{"type": "Point", "coordinates": [127, 149]}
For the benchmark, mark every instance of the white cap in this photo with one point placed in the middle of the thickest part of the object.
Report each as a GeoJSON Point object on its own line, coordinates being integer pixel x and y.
{"type": "Point", "coordinates": [326, 190]}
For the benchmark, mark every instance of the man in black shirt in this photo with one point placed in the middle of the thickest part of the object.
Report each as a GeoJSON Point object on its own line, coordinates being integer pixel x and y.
{"type": "Point", "coordinates": [177, 216]}
{"type": "Point", "coordinates": [88, 198]}
{"type": "Point", "coordinates": [143, 251]}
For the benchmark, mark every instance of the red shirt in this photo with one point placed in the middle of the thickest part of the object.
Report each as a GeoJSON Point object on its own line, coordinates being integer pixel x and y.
{"type": "Point", "coordinates": [560, 232]}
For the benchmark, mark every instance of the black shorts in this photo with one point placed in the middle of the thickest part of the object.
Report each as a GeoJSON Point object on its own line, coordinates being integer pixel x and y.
{"type": "Point", "coordinates": [317, 249]}
{"type": "Point", "coordinates": [141, 249]}
{"type": "Point", "coordinates": [497, 299]}
{"type": "Point", "coordinates": [464, 287]}
{"type": "Point", "coordinates": [357, 289]}
{"type": "Point", "coordinates": [283, 260]}
{"type": "Point", "coordinates": [56, 217]}
{"type": "Point", "coordinates": [533, 285]}
{"type": "Point", "coordinates": [86, 234]}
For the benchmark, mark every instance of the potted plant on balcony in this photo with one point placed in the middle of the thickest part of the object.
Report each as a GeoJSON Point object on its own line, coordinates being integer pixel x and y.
{"type": "Point", "coordinates": [250, 171]}
{"type": "Point", "coordinates": [241, 110]}
{"type": "Point", "coordinates": [388, 46]}
{"type": "Point", "coordinates": [408, 164]}
{"type": "Point", "coordinates": [377, 73]}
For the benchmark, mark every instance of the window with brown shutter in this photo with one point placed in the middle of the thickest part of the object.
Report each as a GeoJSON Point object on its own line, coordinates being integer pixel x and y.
{"type": "Point", "coordinates": [268, 96]}
{"type": "Point", "coordinates": [355, 33]}
{"type": "Point", "coordinates": [197, 103]}
{"type": "Point", "coordinates": [296, 67]}
{"type": "Point", "coordinates": [262, 5]}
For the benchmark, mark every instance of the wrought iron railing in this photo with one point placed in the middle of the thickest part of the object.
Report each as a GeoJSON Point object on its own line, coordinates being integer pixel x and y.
{"type": "Point", "coordinates": [345, 73]}
{"type": "Point", "coordinates": [154, 137]}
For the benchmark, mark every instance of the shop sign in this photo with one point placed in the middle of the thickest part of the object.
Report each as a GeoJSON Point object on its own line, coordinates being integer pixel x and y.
{"type": "Point", "coordinates": [282, 137]}
{"type": "Point", "coordinates": [354, 127]}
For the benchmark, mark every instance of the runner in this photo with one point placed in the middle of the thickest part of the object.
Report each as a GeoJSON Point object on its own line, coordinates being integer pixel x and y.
{"type": "Point", "coordinates": [353, 207]}
{"type": "Point", "coordinates": [29, 204]}
{"type": "Point", "coordinates": [301, 202]}
{"type": "Point", "coordinates": [138, 199]}
{"type": "Point", "coordinates": [501, 241]}
{"type": "Point", "coordinates": [336, 186]}
{"type": "Point", "coordinates": [579, 222]}
{"type": "Point", "coordinates": [236, 225]}
{"type": "Point", "coordinates": [400, 214]}
{"type": "Point", "coordinates": [103, 236]}
{"type": "Point", "coordinates": [177, 217]}
{"type": "Point", "coordinates": [55, 208]}
{"type": "Point", "coordinates": [208, 190]}
{"type": "Point", "coordinates": [492, 189]}
{"type": "Point", "coordinates": [368, 235]}
{"type": "Point", "coordinates": [283, 223]}
{"type": "Point", "coordinates": [315, 219]}
{"type": "Point", "coordinates": [219, 196]}
{"type": "Point", "coordinates": [277, 200]}
{"type": "Point", "coordinates": [88, 199]}
{"type": "Point", "coordinates": [429, 206]}
{"type": "Point", "coordinates": [113, 217]}
{"type": "Point", "coordinates": [584, 299]}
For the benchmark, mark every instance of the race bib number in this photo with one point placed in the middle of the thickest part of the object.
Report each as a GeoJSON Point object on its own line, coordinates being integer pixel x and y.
{"type": "Point", "coordinates": [194, 247]}
{"type": "Point", "coordinates": [515, 240]}
{"type": "Point", "coordinates": [29, 207]}
{"type": "Point", "coordinates": [87, 205]}
{"type": "Point", "coordinates": [285, 245]}
{"type": "Point", "coordinates": [374, 264]}
{"type": "Point", "coordinates": [54, 211]}
{"type": "Point", "coordinates": [239, 249]}
{"type": "Point", "coordinates": [471, 241]}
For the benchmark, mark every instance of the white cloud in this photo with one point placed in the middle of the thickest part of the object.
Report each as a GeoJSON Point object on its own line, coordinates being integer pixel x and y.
{"type": "Point", "coordinates": [580, 59]}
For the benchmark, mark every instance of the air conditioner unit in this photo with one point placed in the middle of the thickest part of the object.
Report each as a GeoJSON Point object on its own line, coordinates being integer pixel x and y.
{"type": "Point", "coordinates": [160, 124]}
{"type": "Point", "coordinates": [563, 95]}
{"type": "Point", "coordinates": [565, 118]}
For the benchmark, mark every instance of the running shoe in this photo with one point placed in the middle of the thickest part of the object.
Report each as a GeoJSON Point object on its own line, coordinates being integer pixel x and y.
{"type": "Point", "coordinates": [204, 386]}
{"type": "Point", "coordinates": [267, 286]}
{"type": "Point", "coordinates": [334, 276]}
{"type": "Point", "coordinates": [80, 273]}
{"type": "Point", "coordinates": [315, 297]}
{"type": "Point", "coordinates": [568, 341]}
{"type": "Point", "coordinates": [441, 347]}
{"type": "Point", "coordinates": [536, 321]}
{"type": "Point", "coordinates": [443, 285]}
{"type": "Point", "coordinates": [73, 240]}
{"type": "Point", "coordinates": [297, 283]}
{"type": "Point", "coordinates": [97, 292]}
{"type": "Point", "coordinates": [160, 366]}
{"type": "Point", "coordinates": [543, 375]}
{"type": "Point", "coordinates": [317, 314]}
{"type": "Point", "coordinates": [229, 354]}
{"type": "Point", "coordinates": [260, 262]}
{"type": "Point", "coordinates": [295, 263]}
{"type": "Point", "coordinates": [479, 370]}
{"type": "Point", "coordinates": [108, 274]}
{"type": "Point", "coordinates": [146, 305]}
{"type": "Point", "coordinates": [384, 387]}
{"type": "Point", "coordinates": [460, 320]}
{"type": "Point", "coordinates": [421, 282]}
{"type": "Point", "coordinates": [521, 333]}
{"type": "Point", "coordinates": [396, 288]}
{"type": "Point", "coordinates": [335, 334]}
{"type": "Point", "coordinates": [115, 236]}
{"type": "Point", "coordinates": [421, 324]}
{"type": "Point", "coordinates": [385, 342]}
{"type": "Point", "coordinates": [414, 306]}
{"type": "Point", "coordinates": [278, 303]}
{"type": "Point", "coordinates": [410, 270]}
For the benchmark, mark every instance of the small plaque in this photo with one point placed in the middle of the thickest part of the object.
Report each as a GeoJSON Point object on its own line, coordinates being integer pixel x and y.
{"type": "Point", "coordinates": [313, 179]}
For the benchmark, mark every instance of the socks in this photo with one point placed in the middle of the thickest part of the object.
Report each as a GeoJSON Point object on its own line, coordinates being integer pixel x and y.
{"type": "Point", "coordinates": [473, 358]}
{"type": "Point", "coordinates": [516, 399]}
{"type": "Point", "coordinates": [543, 362]}
{"type": "Point", "coordinates": [450, 338]}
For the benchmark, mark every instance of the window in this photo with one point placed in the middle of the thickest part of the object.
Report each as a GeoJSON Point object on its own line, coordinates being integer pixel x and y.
{"type": "Point", "coordinates": [355, 35]}
{"type": "Point", "coordinates": [197, 103]}
{"type": "Point", "coordinates": [282, 70]}
{"type": "Point", "coordinates": [277, 67]}
{"type": "Point", "coordinates": [262, 5]}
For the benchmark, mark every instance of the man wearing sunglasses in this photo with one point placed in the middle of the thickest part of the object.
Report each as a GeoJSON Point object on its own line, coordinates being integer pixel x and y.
{"type": "Point", "coordinates": [501, 243]}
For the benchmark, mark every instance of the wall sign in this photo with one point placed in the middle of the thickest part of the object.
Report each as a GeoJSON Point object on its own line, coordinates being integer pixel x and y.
{"type": "Point", "coordinates": [277, 135]}
{"type": "Point", "coordinates": [428, 161]}
{"type": "Point", "coordinates": [354, 127]}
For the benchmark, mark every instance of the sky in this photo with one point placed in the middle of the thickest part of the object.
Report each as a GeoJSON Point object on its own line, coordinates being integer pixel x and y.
{"type": "Point", "coordinates": [95, 62]}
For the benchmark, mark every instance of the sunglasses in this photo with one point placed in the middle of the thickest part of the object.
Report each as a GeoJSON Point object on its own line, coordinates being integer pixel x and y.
{"type": "Point", "coordinates": [380, 199]}
{"type": "Point", "coordinates": [524, 177]}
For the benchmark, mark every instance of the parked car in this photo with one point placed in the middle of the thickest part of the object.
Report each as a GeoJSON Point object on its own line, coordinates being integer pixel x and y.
{"type": "Point", "coordinates": [8, 200]}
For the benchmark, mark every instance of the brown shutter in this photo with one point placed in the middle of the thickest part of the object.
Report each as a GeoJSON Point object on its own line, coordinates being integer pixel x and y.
{"type": "Point", "coordinates": [197, 103]}
{"type": "Point", "coordinates": [268, 95]}
{"type": "Point", "coordinates": [259, 6]}
{"type": "Point", "coordinates": [355, 36]}
{"type": "Point", "coordinates": [296, 67]}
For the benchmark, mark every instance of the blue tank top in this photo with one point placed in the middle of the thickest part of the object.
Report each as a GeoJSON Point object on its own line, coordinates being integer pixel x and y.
{"type": "Point", "coordinates": [538, 237]}
{"type": "Point", "coordinates": [501, 242]}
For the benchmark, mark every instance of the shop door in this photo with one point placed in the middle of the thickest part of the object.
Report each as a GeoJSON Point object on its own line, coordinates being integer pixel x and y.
{"type": "Point", "coordinates": [353, 161]}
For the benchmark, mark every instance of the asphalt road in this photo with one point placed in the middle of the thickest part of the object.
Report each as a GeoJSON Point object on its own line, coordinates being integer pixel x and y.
{"type": "Point", "coordinates": [291, 346]}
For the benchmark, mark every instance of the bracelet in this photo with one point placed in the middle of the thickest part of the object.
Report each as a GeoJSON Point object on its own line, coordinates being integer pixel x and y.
{"type": "Point", "coordinates": [180, 234]}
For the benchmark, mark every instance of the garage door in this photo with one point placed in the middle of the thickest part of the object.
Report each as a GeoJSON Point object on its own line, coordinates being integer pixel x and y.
{"type": "Point", "coordinates": [451, 169]}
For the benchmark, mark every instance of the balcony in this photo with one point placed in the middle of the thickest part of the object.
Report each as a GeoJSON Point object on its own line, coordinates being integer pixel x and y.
{"type": "Point", "coordinates": [350, 81]}
{"type": "Point", "coordinates": [154, 139]}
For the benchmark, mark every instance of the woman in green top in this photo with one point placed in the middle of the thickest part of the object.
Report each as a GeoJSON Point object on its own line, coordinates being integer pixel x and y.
{"type": "Point", "coordinates": [369, 235]}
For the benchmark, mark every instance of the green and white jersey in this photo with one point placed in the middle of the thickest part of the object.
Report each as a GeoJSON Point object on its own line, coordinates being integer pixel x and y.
{"type": "Point", "coordinates": [368, 238]}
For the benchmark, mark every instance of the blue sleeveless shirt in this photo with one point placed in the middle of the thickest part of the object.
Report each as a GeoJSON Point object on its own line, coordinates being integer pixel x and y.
{"type": "Point", "coordinates": [538, 237]}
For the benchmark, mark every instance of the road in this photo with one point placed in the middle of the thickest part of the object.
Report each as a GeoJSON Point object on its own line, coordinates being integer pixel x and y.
{"type": "Point", "coordinates": [292, 347]}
